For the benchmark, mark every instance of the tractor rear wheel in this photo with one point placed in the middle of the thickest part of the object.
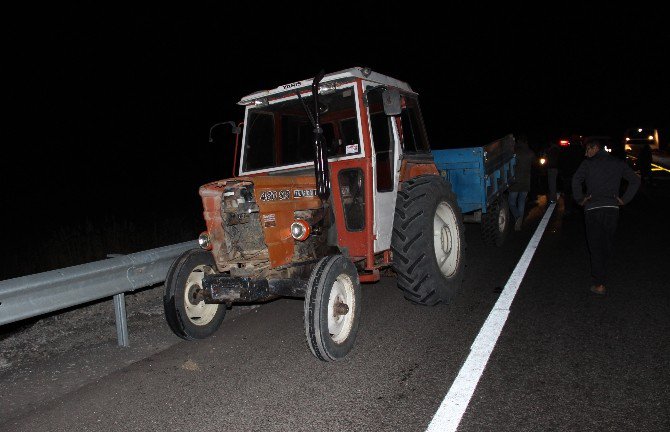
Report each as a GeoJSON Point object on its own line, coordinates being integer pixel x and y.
{"type": "Point", "coordinates": [428, 241]}
{"type": "Point", "coordinates": [186, 312]}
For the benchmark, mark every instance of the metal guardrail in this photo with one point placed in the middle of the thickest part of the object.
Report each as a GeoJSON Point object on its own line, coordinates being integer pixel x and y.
{"type": "Point", "coordinates": [33, 295]}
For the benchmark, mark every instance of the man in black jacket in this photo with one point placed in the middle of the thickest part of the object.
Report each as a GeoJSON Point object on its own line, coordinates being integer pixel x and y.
{"type": "Point", "coordinates": [602, 174]}
{"type": "Point", "coordinates": [518, 191]}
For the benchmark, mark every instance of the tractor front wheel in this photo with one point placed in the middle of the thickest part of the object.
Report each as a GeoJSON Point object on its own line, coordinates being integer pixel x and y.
{"type": "Point", "coordinates": [332, 308]}
{"type": "Point", "coordinates": [186, 312]}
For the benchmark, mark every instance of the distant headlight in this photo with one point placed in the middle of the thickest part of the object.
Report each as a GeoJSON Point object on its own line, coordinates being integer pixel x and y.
{"type": "Point", "coordinates": [627, 139]}
{"type": "Point", "coordinates": [650, 138]}
{"type": "Point", "coordinates": [543, 161]}
{"type": "Point", "coordinates": [204, 241]}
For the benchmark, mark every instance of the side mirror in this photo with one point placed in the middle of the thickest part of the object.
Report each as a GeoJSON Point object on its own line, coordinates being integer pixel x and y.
{"type": "Point", "coordinates": [235, 128]}
{"type": "Point", "coordinates": [392, 104]}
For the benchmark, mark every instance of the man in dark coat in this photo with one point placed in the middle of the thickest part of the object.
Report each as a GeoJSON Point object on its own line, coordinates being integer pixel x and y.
{"type": "Point", "coordinates": [553, 156]}
{"type": "Point", "coordinates": [602, 174]}
{"type": "Point", "coordinates": [518, 191]}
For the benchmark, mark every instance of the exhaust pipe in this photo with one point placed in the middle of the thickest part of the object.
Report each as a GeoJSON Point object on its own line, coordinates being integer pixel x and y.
{"type": "Point", "coordinates": [321, 169]}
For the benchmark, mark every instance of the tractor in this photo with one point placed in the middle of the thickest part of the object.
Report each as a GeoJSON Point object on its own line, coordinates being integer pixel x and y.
{"type": "Point", "coordinates": [335, 183]}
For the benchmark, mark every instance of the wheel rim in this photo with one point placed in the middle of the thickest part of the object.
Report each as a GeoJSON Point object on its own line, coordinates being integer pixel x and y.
{"type": "Point", "coordinates": [445, 239]}
{"type": "Point", "coordinates": [502, 219]}
{"type": "Point", "coordinates": [197, 311]}
{"type": "Point", "coordinates": [341, 305]}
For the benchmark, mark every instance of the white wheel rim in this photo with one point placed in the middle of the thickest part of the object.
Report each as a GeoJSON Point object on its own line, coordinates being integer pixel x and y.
{"type": "Point", "coordinates": [197, 311]}
{"type": "Point", "coordinates": [502, 219]}
{"type": "Point", "coordinates": [446, 239]}
{"type": "Point", "coordinates": [341, 293]}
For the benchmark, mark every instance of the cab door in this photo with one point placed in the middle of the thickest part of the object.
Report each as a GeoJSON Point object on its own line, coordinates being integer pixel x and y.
{"type": "Point", "coordinates": [385, 167]}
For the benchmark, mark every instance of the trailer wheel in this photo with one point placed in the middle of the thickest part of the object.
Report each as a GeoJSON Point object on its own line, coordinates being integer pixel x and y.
{"type": "Point", "coordinates": [332, 308]}
{"type": "Point", "coordinates": [495, 222]}
{"type": "Point", "coordinates": [428, 241]}
{"type": "Point", "coordinates": [187, 314]}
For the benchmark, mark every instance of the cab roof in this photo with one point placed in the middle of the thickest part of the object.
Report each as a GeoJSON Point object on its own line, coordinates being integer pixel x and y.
{"type": "Point", "coordinates": [352, 73]}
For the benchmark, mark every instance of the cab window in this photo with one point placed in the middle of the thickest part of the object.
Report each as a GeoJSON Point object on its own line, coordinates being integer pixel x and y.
{"type": "Point", "coordinates": [414, 137]}
{"type": "Point", "coordinates": [382, 137]}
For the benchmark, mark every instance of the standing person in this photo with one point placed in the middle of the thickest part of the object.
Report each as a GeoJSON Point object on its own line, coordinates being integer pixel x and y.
{"type": "Point", "coordinates": [518, 191]}
{"type": "Point", "coordinates": [569, 161]}
{"type": "Point", "coordinates": [602, 174]}
{"type": "Point", "coordinates": [644, 159]}
{"type": "Point", "coordinates": [553, 155]}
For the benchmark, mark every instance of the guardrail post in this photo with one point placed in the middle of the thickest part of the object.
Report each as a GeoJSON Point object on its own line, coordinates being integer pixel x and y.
{"type": "Point", "coordinates": [121, 322]}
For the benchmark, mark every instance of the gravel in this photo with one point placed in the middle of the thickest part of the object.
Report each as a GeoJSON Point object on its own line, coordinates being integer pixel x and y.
{"type": "Point", "coordinates": [44, 358]}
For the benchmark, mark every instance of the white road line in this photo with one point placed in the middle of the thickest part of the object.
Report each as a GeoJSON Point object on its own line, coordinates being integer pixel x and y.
{"type": "Point", "coordinates": [450, 412]}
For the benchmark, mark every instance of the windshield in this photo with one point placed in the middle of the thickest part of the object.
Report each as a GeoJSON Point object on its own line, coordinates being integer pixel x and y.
{"type": "Point", "coordinates": [282, 134]}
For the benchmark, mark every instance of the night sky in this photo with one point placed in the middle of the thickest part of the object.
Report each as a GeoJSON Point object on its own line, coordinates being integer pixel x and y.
{"type": "Point", "coordinates": [110, 109]}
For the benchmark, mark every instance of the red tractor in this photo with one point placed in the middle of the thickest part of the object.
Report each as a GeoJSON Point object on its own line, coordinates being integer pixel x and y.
{"type": "Point", "coordinates": [336, 181]}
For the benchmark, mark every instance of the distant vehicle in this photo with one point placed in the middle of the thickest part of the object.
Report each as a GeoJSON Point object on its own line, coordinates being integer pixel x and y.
{"type": "Point", "coordinates": [572, 140]}
{"type": "Point", "coordinates": [609, 144]}
{"type": "Point", "coordinates": [635, 138]}
{"type": "Point", "coordinates": [567, 148]}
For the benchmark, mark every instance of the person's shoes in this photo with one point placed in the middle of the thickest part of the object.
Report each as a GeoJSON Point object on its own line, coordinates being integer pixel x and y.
{"type": "Point", "coordinates": [598, 289]}
{"type": "Point", "coordinates": [517, 224]}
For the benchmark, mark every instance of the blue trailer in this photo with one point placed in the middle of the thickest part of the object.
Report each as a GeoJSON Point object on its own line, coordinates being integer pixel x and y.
{"type": "Point", "coordinates": [480, 177]}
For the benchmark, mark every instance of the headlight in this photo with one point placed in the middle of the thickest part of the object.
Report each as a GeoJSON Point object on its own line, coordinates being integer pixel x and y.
{"type": "Point", "coordinates": [204, 241]}
{"type": "Point", "coordinates": [300, 230]}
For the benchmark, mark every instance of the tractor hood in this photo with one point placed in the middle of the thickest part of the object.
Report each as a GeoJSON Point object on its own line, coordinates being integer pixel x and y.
{"type": "Point", "coordinates": [268, 191]}
{"type": "Point", "coordinates": [270, 201]}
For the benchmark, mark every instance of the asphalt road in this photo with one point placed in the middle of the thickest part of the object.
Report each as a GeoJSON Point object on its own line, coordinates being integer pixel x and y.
{"type": "Point", "coordinates": [566, 359]}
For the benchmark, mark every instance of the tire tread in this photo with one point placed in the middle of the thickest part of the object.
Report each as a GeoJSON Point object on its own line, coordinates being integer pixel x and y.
{"type": "Point", "coordinates": [417, 274]}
